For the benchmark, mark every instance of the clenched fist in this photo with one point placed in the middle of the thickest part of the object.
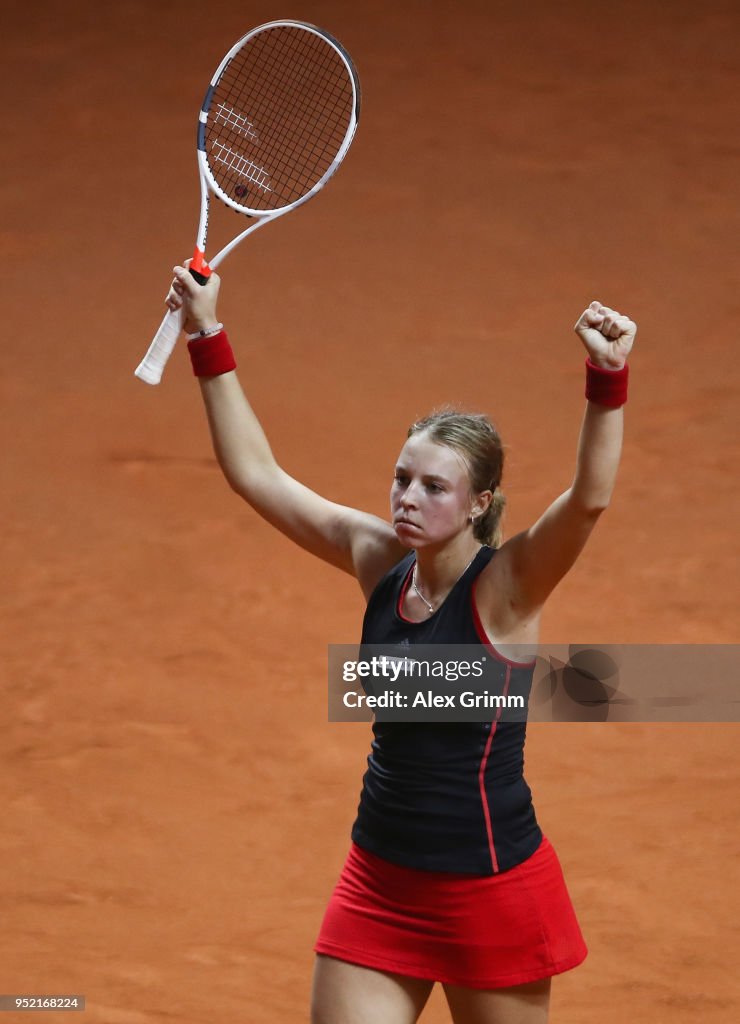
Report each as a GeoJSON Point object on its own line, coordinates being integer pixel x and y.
{"type": "Point", "coordinates": [607, 335]}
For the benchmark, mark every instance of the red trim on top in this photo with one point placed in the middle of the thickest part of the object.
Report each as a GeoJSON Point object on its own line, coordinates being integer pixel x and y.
{"type": "Point", "coordinates": [482, 777]}
{"type": "Point", "coordinates": [484, 797]}
{"type": "Point", "coordinates": [485, 639]}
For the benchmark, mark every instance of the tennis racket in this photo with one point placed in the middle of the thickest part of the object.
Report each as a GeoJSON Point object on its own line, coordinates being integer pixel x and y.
{"type": "Point", "coordinates": [277, 120]}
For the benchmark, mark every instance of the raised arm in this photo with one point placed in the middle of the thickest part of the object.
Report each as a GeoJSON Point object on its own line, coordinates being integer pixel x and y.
{"type": "Point", "coordinates": [360, 544]}
{"type": "Point", "coordinates": [533, 562]}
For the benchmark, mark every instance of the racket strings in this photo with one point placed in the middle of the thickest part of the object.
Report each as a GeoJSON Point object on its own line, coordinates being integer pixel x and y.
{"type": "Point", "coordinates": [303, 102]}
{"type": "Point", "coordinates": [310, 57]}
{"type": "Point", "coordinates": [278, 118]}
{"type": "Point", "coordinates": [330, 94]}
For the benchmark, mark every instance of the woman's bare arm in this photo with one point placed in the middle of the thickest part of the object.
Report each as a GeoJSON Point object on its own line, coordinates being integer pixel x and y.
{"type": "Point", "coordinates": [532, 563]}
{"type": "Point", "coordinates": [354, 541]}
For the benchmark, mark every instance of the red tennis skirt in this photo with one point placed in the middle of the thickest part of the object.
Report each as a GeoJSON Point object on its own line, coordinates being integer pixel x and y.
{"type": "Point", "coordinates": [479, 932]}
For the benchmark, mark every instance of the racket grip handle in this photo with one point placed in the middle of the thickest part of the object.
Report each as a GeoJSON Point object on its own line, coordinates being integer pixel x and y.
{"type": "Point", "coordinates": [152, 366]}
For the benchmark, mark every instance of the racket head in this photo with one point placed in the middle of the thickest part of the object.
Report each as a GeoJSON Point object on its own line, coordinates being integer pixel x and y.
{"type": "Point", "coordinates": [278, 117]}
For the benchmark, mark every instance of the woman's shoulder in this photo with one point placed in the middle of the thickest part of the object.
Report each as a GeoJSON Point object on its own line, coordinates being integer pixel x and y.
{"type": "Point", "coordinates": [376, 552]}
{"type": "Point", "coordinates": [504, 614]}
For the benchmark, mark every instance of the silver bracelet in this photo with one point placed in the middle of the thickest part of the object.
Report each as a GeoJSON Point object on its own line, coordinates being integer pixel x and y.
{"type": "Point", "coordinates": [208, 332]}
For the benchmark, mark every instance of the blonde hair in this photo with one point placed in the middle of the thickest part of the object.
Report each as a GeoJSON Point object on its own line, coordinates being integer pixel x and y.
{"type": "Point", "coordinates": [477, 440]}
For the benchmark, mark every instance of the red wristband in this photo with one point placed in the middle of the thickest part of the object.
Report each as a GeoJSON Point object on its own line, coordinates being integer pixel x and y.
{"type": "Point", "coordinates": [211, 356]}
{"type": "Point", "coordinates": [606, 387]}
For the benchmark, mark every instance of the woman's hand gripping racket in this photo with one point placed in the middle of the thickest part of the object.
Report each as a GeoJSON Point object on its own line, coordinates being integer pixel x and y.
{"type": "Point", "coordinates": [276, 122]}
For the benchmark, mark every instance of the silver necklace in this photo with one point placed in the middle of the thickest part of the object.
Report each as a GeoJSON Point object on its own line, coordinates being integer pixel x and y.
{"type": "Point", "coordinates": [419, 594]}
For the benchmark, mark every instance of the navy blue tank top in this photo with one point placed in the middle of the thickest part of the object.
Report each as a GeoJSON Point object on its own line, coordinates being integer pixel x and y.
{"type": "Point", "coordinates": [445, 796]}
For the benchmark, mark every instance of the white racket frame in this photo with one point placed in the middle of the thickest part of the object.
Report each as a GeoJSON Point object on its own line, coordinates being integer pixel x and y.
{"type": "Point", "coordinates": [152, 366]}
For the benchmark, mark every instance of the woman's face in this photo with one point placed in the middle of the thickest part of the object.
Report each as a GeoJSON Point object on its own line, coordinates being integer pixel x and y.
{"type": "Point", "coordinates": [430, 496]}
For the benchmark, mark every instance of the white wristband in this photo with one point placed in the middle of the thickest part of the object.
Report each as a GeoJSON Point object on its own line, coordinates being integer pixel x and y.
{"type": "Point", "coordinates": [206, 333]}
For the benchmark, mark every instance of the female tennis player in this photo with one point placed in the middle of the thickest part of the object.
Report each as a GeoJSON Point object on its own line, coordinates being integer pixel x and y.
{"type": "Point", "coordinates": [449, 878]}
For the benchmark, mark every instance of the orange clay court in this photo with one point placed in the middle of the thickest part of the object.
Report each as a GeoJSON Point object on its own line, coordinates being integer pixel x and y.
{"type": "Point", "coordinates": [175, 805]}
